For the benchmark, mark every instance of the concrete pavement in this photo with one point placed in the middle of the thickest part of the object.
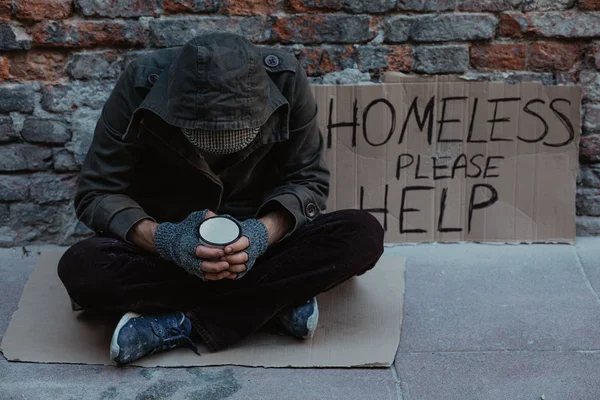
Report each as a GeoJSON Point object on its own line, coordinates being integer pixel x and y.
{"type": "Point", "coordinates": [501, 322]}
{"type": "Point", "coordinates": [480, 322]}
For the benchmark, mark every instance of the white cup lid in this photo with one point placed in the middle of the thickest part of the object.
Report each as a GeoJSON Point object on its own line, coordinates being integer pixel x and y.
{"type": "Point", "coordinates": [219, 231]}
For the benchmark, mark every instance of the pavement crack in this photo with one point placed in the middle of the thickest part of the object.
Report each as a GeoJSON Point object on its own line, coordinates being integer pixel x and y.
{"type": "Point", "coordinates": [585, 276]}
{"type": "Point", "coordinates": [397, 378]}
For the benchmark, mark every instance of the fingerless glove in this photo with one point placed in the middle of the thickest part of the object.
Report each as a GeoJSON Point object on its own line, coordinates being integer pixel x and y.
{"type": "Point", "coordinates": [258, 236]}
{"type": "Point", "coordinates": [178, 242]}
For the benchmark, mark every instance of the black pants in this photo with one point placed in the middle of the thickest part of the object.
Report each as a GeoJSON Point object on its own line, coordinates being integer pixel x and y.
{"type": "Point", "coordinates": [108, 275]}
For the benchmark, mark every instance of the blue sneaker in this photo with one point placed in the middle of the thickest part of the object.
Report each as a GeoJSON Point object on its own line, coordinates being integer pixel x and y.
{"type": "Point", "coordinates": [138, 335]}
{"type": "Point", "coordinates": [301, 321]}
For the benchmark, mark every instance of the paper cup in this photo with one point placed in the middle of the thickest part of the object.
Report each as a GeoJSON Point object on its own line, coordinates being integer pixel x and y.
{"type": "Point", "coordinates": [219, 231]}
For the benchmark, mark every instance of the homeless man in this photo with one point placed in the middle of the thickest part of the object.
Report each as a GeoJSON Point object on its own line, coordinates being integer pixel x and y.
{"type": "Point", "coordinates": [217, 126]}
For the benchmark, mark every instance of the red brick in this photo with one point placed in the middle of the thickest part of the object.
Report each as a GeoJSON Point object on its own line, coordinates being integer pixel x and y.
{"type": "Point", "coordinates": [589, 4]}
{"type": "Point", "coordinates": [38, 66]}
{"type": "Point", "coordinates": [5, 10]}
{"type": "Point", "coordinates": [329, 58]}
{"type": "Point", "coordinates": [554, 56]}
{"type": "Point", "coordinates": [88, 33]}
{"type": "Point", "coordinates": [513, 24]}
{"type": "Point", "coordinates": [4, 74]}
{"type": "Point", "coordinates": [40, 10]}
{"type": "Point", "coordinates": [119, 8]}
{"type": "Point", "coordinates": [499, 57]}
{"type": "Point", "coordinates": [252, 7]}
{"type": "Point", "coordinates": [178, 6]}
{"type": "Point", "coordinates": [399, 58]}
{"type": "Point", "coordinates": [313, 5]}
{"type": "Point", "coordinates": [193, 6]}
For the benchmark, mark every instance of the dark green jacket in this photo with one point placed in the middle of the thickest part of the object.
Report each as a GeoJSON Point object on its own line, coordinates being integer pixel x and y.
{"type": "Point", "coordinates": [139, 166]}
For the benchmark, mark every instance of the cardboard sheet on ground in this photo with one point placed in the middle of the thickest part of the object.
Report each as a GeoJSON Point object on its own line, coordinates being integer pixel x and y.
{"type": "Point", "coordinates": [359, 326]}
{"type": "Point", "coordinates": [440, 159]}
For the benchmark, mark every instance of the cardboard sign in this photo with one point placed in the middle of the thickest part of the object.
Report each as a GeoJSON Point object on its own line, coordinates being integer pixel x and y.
{"type": "Point", "coordinates": [449, 161]}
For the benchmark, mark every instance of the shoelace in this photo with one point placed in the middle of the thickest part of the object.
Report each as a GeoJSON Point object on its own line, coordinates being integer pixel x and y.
{"type": "Point", "coordinates": [177, 336]}
{"type": "Point", "coordinates": [182, 338]}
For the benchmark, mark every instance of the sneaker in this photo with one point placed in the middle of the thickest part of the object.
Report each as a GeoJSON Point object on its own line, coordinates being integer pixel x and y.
{"type": "Point", "coordinates": [138, 335]}
{"type": "Point", "coordinates": [301, 321]}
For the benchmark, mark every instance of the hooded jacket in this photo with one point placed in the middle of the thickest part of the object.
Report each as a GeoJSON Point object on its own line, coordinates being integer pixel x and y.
{"type": "Point", "coordinates": [141, 166]}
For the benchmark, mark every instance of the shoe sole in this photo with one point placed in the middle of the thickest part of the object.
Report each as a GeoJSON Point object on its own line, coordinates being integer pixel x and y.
{"type": "Point", "coordinates": [312, 322]}
{"type": "Point", "coordinates": [114, 346]}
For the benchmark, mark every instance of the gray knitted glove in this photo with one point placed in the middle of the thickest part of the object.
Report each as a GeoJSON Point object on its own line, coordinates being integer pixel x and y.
{"type": "Point", "coordinates": [178, 242]}
{"type": "Point", "coordinates": [257, 235]}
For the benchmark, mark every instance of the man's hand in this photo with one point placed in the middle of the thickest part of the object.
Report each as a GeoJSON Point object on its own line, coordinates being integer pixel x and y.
{"type": "Point", "coordinates": [224, 263]}
{"type": "Point", "coordinates": [277, 225]}
{"type": "Point", "coordinates": [217, 263]}
{"type": "Point", "coordinates": [229, 262]}
{"type": "Point", "coordinates": [247, 250]}
{"type": "Point", "coordinates": [178, 242]}
{"type": "Point", "coordinates": [236, 257]}
{"type": "Point", "coordinates": [221, 265]}
{"type": "Point", "coordinates": [213, 266]}
{"type": "Point", "coordinates": [210, 258]}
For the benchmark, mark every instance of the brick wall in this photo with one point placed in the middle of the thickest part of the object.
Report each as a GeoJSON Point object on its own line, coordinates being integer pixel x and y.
{"type": "Point", "coordinates": [60, 58]}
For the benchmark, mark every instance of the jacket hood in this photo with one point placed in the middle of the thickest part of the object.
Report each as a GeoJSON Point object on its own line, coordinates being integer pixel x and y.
{"type": "Point", "coordinates": [216, 82]}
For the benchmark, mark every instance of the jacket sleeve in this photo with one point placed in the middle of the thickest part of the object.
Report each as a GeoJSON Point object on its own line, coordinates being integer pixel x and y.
{"type": "Point", "coordinates": [303, 186]}
{"type": "Point", "coordinates": [101, 201]}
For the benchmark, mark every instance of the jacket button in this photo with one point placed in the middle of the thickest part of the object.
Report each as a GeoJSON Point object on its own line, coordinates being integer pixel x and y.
{"type": "Point", "coordinates": [271, 61]}
{"type": "Point", "coordinates": [152, 78]}
{"type": "Point", "coordinates": [311, 210]}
